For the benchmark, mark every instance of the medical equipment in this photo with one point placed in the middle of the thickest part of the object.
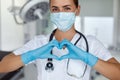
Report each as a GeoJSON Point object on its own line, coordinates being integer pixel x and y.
{"type": "Point", "coordinates": [32, 10]}
{"type": "Point", "coordinates": [33, 15]}
{"type": "Point", "coordinates": [50, 67]}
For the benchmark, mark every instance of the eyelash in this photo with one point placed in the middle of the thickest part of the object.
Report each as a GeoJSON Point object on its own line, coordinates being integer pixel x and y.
{"type": "Point", "coordinates": [54, 9]}
{"type": "Point", "coordinates": [65, 9]}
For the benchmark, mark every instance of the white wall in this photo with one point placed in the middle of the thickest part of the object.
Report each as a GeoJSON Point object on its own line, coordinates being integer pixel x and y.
{"type": "Point", "coordinates": [119, 24]}
{"type": "Point", "coordinates": [0, 24]}
{"type": "Point", "coordinates": [116, 23]}
{"type": "Point", "coordinates": [96, 7]}
{"type": "Point", "coordinates": [11, 34]}
{"type": "Point", "coordinates": [97, 16]}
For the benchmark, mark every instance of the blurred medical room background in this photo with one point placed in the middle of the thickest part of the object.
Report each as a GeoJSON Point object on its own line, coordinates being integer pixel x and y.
{"type": "Point", "coordinates": [21, 20]}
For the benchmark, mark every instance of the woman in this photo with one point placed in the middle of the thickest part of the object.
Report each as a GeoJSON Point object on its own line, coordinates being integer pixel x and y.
{"type": "Point", "coordinates": [68, 47]}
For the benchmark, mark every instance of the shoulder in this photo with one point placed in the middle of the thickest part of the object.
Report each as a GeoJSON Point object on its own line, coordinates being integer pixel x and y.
{"type": "Point", "coordinates": [93, 41]}
{"type": "Point", "coordinates": [91, 38]}
{"type": "Point", "coordinates": [34, 43]}
{"type": "Point", "coordinates": [97, 48]}
{"type": "Point", "coordinates": [41, 37]}
{"type": "Point", "coordinates": [39, 40]}
{"type": "Point", "coordinates": [95, 45]}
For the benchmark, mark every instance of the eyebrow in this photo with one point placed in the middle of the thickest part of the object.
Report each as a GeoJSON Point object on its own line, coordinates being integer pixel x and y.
{"type": "Point", "coordinates": [66, 5]}
{"type": "Point", "coordinates": [54, 7]}
{"type": "Point", "coordinates": [62, 6]}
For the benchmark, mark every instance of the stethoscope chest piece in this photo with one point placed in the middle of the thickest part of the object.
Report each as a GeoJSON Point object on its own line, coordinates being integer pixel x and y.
{"type": "Point", "coordinates": [49, 66]}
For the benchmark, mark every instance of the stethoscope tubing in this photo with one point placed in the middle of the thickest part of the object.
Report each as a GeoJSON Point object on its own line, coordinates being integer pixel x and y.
{"type": "Point", "coordinates": [50, 66]}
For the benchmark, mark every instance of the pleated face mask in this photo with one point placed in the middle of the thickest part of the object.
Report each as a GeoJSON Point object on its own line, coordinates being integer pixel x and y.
{"type": "Point", "coordinates": [63, 20]}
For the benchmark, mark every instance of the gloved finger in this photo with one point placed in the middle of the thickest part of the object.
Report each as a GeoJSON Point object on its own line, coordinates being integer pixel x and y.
{"type": "Point", "coordinates": [54, 43]}
{"type": "Point", "coordinates": [54, 57]}
{"type": "Point", "coordinates": [64, 42]}
{"type": "Point", "coordinates": [48, 56]}
{"type": "Point", "coordinates": [64, 57]}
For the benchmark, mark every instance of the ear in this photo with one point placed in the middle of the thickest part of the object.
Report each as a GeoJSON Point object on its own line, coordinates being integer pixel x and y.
{"type": "Point", "coordinates": [78, 11]}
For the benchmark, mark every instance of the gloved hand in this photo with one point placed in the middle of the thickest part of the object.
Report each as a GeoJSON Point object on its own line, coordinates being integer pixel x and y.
{"type": "Point", "coordinates": [77, 53]}
{"type": "Point", "coordinates": [40, 53]}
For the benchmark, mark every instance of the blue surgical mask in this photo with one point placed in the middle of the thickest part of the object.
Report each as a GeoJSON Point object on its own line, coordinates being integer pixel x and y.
{"type": "Point", "coordinates": [63, 20]}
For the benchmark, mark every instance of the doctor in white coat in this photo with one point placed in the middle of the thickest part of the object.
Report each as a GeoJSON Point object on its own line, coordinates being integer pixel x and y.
{"type": "Point", "coordinates": [66, 54]}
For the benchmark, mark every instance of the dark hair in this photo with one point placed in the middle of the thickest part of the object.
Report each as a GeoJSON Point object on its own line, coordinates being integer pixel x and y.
{"type": "Point", "coordinates": [76, 2]}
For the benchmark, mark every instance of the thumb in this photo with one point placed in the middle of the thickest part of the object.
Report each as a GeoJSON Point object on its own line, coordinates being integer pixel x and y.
{"type": "Point", "coordinates": [64, 57]}
{"type": "Point", "coordinates": [54, 43]}
{"type": "Point", "coordinates": [64, 42]}
{"type": "Point", "coordinates": [54, 57]}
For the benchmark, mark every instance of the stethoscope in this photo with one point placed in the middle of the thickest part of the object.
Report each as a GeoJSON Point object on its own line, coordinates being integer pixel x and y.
{"type": "Point", "coordinates": [50, 67]}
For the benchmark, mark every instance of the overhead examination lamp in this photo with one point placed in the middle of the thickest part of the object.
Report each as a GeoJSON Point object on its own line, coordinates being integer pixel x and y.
{"type": "Point", "coordinates": [33, 10]}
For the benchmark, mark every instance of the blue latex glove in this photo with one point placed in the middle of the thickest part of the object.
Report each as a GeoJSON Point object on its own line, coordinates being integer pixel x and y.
{"type": "Point", "coordinates": [40, 53]}
{"type": "Point", "coordinates": [77, 53]}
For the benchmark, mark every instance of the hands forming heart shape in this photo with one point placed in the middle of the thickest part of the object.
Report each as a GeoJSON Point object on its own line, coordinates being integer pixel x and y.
{"type": "Point", "coordinates": [74, 52]}
{"type": "Point", "coordinates": [45, 51]}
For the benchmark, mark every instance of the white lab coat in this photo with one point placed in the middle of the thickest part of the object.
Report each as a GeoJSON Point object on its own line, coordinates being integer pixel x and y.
{"type": "Point", "coordinates": [76, 67]}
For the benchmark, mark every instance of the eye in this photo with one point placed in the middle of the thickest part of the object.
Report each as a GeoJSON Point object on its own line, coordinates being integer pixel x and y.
{"type": "Point", "coordinates": [55, 10]}
{"type": "Point", "coordinates": [67, 9]}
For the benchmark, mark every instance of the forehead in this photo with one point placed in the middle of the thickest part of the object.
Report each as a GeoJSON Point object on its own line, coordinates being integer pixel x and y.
{"type": "Point", "coordinates": [61, 2]}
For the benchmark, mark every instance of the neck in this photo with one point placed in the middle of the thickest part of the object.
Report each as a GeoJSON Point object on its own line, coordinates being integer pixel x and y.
{"type": "Point", "coordinates": [59, 35]}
